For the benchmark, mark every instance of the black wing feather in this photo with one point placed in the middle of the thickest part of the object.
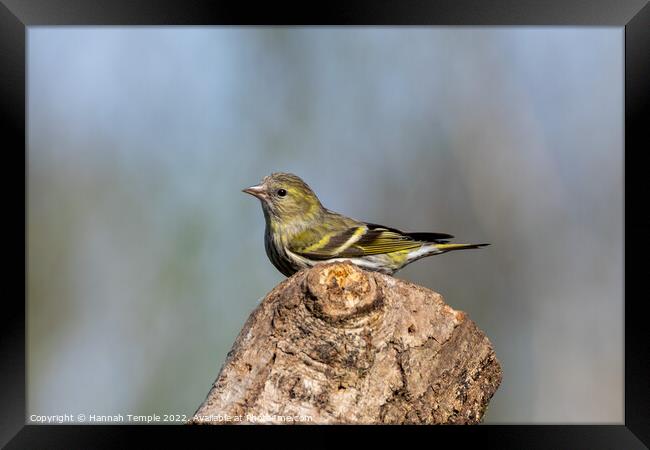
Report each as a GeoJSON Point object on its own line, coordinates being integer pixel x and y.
{"type": "Point", "coordinates": [436, 238]}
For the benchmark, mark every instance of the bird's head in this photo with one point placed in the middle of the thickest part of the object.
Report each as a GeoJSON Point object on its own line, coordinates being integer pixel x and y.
{"type": "Point", "coordinates": [286, 198]}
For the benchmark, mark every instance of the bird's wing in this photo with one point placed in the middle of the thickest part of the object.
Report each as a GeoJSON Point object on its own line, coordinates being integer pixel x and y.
{"type": "Point", "coordinates": [360, 240]}
{"type": "Point", "coordinates": [436, 238]}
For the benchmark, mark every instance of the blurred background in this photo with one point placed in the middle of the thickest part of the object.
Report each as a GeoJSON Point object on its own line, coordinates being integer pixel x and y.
{"type": "Point", "coordinates": [145, 258]}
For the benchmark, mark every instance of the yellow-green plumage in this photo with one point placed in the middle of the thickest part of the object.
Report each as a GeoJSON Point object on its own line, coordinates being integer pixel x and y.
{"type": "Point", "coordinates": [301, 232]}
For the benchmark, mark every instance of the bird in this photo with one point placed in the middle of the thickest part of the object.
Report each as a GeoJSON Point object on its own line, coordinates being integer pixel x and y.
{"type": "Point", "coordinates": [300, 232]}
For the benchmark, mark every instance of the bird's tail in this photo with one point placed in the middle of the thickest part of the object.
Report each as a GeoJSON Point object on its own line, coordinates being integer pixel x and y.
{"type": "Point", "coordinates": [450, 247]}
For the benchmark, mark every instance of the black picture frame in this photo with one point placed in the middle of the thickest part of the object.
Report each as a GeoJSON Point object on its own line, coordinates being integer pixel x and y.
{"type": "Point", "coordinates": [633, 15]}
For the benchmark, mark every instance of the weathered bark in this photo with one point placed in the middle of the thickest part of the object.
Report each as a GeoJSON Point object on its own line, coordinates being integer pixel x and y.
{"type": "Point", "coordinates": [337, 344]}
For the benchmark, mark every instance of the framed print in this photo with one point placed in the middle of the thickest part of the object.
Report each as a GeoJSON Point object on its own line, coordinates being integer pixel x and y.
{"type": "Point", "coordinates": [373, 136]}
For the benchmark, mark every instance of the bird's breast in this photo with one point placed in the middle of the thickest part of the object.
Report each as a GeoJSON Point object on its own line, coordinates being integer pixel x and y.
{"type": "Point", "coordinates": [275, 251]}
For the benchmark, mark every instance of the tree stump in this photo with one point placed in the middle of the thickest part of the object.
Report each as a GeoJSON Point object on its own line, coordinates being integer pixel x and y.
{"type": "Point", "coordinates": [337, 344]}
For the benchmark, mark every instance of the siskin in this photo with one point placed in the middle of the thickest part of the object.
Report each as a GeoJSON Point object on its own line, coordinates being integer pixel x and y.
{"type": "Point", "coordinates": [301, 232]}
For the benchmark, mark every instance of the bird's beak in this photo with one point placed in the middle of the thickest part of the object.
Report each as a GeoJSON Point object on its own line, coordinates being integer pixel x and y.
{"type": "Point", "coordinates": [256, 191]}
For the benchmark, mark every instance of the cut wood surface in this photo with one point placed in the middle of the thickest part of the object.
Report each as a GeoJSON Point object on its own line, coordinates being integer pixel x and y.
{"type": "Point", "coordinates": [337, 344]}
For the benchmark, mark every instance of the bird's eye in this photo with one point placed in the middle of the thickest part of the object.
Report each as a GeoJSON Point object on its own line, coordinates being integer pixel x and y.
{"type": "Point", "coordinates": [282, 192]}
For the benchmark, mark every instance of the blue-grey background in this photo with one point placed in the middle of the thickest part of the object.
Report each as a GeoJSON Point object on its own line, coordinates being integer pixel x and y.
{"type": "Point", "coordinates": [144, 258]}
